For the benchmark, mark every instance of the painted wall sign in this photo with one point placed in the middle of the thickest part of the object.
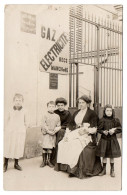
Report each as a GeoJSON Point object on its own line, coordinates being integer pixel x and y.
{"type": "Point", "coordinates": [48, 33]}
{"type": "Point", "coordinates": [53, 81]}
{"type": "Point", "coordinates": [28, 23]}
{"type": "Point", "coordinates": [54, 51]}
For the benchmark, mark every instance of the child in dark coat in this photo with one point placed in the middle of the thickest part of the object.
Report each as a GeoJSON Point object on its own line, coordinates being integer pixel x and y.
{"type": "Point", "coordinates": [108, 146]}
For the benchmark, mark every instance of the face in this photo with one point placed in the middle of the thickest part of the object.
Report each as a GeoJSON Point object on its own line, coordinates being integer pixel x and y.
{"type": "Point", "coordinates": [61, 107]}
{"type": "Point", "coordinates": [82, 104]}
{"type": "Point", "coordinates": [18, 102]}
{"type": "Point", "coordinates": [108, 112]}
{"type": "Point", "coordinates": [51, 108]}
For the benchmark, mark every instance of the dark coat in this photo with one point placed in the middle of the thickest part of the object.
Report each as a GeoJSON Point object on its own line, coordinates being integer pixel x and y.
{"type": "Point", "coordinates": [65, 118]}
{"type": "Point", "coordinates": [108, 146]}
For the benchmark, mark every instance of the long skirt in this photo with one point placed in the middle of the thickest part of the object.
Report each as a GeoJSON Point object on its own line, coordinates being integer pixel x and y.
{"type": "Point", "coordinates": [88, 164]}
{"type": "Point", "coordinates": [108, 148]}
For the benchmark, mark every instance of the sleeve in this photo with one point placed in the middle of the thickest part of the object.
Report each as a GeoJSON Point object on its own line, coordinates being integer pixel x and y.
{"type": "Point", "coordinates": [67, 121]}
{"type": "Point", "coordinates": [92, 130]}
{"type": "Point", "coordinates": [43, 122]}
{"type": "Point", "coordinates": [6, 121]}
{"type": "Point", "coordinates": [118, 126]}
{"type": "Point", "coordinates": [58, 121]}
{"type": "Point", "coordinates": [58, 125]}
{"type": "Point", "coordinates": [100, 126]}
{"type": "Point", "coordinates": [93, 120]}
{"type": "Point", "coordinates": [72, 124]}
{"type": "Point", "coordinates": [26, 119]}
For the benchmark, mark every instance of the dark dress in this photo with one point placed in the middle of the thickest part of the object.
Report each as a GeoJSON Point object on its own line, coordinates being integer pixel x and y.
{"type": "Point", "coordinates": [108, 146]}
{"type": "Point", "coordinates": [88, 164]}
{"type": "Point", "coordinates": [65, 118]}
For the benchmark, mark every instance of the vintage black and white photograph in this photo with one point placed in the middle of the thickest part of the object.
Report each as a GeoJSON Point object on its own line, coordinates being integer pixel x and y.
{"type": "Point", "coordinates": [63, 97]}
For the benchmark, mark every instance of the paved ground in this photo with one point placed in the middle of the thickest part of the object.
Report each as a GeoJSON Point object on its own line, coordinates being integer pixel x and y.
{"type": "Point", "coordinates": [35, 178]}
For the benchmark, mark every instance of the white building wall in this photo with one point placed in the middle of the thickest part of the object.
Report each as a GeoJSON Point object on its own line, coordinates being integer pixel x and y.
{"type": "Point", "coordinates": [22, 74]}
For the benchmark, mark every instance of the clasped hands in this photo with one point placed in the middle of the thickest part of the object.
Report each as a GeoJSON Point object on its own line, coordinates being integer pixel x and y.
{"type": "Point", "coordinates": [110, 131]}
{"type": "Point", "coordinates": [50, 132]}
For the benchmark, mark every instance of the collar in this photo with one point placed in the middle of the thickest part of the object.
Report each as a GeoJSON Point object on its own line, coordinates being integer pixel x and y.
{"type": "Point", "coordinates": [19, 108]}
{"type": "Point", "coordinates": [83, 111]}
{"type": "Point", "coordinates": [50, 112]}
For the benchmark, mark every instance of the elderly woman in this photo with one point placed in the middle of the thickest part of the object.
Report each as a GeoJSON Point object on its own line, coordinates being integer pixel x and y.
{"type": "Point", "coordinates": [76, 152]}
{"type": "Point", "coordinates": [65, 118]}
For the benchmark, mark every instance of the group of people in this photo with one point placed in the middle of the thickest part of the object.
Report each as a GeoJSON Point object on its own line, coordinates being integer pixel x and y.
{"type": "Point", "coordinates": [69, 142]}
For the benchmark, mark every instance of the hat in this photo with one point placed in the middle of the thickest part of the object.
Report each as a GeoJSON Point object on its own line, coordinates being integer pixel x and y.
{"type": "Point", "coordinates": [61, 100]}
{"type": "Point", "coordinates": [108, 106]}
{"type": "Point", "coordinates": [85, 98]}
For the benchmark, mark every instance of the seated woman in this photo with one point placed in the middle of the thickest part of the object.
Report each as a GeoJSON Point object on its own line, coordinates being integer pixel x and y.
{"type": "Point", "coordinates": [65, 118]}
{"type": "Point", "coordinates": [77, 151]}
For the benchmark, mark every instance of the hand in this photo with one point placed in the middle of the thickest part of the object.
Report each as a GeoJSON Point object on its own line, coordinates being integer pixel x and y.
{"type": "Point", "coordinates": [46, 128]}
{"type": "Point", "coordinates": [92, 130]}
{"type": "Point", "coordinates": [65, 139]}
{"type": "Point", "coordinates": [50, 132]}
{"type": "Point", "coordinates": [105, 132]}
{"type": "Point", "coordinates": [44, 131]}
{"type": "Point", "coordinates": [112, 131]}
{"type": "Point", "coordinates": [81, 131]}
{"type": "Point", "coordinates": [57, 129]}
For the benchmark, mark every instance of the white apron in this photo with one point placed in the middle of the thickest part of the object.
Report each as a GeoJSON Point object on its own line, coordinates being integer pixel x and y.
{"type": "Point", "coordinates": [69, 151]}
{"type": "Point", "coordinates": [14, 135]}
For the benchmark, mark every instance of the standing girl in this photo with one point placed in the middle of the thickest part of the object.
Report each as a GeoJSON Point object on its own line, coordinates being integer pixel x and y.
{"type": "Point", "coordinates": [15, 133]}
{"type": "Point", "coordinates": [108, 146]}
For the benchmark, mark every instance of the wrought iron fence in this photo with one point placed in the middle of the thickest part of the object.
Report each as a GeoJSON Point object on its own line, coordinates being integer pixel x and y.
{"type": "Point", "coordinates": [95, 42]}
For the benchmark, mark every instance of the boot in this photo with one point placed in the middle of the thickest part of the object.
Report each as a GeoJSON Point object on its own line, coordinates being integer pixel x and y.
{"type": "Point", "coordinates": [71, 175]}
{"type": "Point", "coordinates": [16, 165]}
{"type": "Point", "coordinates": [103, 172]}
{"type": "Point", "coordinates": [5, 164]}
{"type": "Point", "coordinates": [112, 173]}
{"type": "Point", "coordinates": [43, 164]}
{"type": "Point", "coordinates": [48, 161]}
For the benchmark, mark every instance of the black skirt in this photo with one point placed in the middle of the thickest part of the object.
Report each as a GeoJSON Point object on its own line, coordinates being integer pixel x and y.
{"type": "Point", "coordinates": [88, 164]}
{"type": "Point", "coordinates": [108, 148]}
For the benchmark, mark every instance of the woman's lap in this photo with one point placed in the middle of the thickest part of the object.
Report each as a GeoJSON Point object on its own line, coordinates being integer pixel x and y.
{"type": "Point", "coordinates": [88, 164]}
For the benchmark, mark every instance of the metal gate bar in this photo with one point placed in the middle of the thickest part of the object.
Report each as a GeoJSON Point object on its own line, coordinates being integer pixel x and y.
{"type": "Point", "coordinates": [96, 43]}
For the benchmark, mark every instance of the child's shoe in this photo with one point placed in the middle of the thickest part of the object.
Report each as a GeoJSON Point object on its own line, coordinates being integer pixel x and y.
{"type": "Point", "coordinates": [48, 161]}
{"type": "Point", "coordinates": [103, 172]}
{"type": "Point", "coordinates": [5, 164]}
{"type": "Point", "coordinates": [44, 162]}
{"type": "Point", "coordinates": [112, 173]}
{"type": "Point", "coordinates": [71, 175]}
{"type": "Point", "coordinates": [18, 167]}
{"type": "Point", "coordinates": [5, 167]}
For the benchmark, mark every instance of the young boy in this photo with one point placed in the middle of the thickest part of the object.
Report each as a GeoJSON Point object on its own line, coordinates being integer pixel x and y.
{"type": "Point", "coordinates": [50, 126]}
{"type": "Point", "coordinates": [15, 133]}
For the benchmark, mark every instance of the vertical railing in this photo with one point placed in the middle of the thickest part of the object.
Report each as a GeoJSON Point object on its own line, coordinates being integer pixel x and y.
{"type": "Point", "coordinates": [96, 43]}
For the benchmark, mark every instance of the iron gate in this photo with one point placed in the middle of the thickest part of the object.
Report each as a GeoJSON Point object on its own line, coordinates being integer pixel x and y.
{"type": "Point", "coordinates": [95, 42]}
